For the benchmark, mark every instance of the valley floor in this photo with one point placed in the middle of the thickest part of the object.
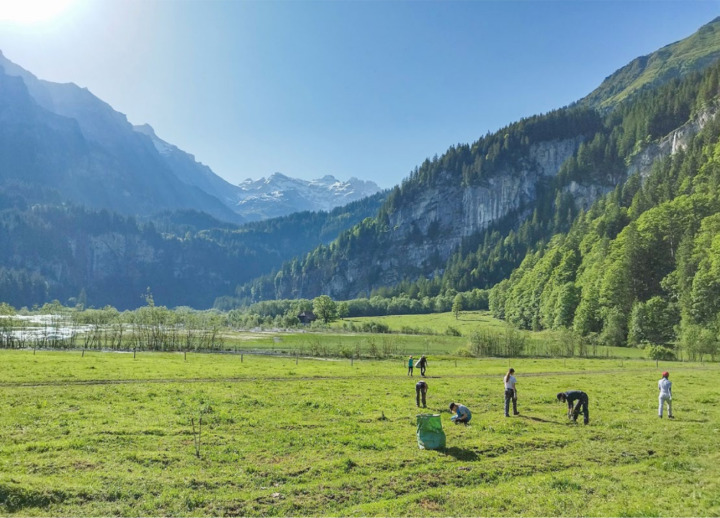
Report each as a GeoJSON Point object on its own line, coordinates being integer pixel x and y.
{"type": "Point", "coordinates": [109, 434]}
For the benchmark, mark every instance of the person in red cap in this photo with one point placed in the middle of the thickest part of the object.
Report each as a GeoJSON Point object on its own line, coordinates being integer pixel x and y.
{"type": "Point", "coordinates": [665, 387]}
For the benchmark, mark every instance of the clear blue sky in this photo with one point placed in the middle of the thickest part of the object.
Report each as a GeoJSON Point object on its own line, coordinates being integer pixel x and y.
{"type": "Point", "coordinates": [350, 88]}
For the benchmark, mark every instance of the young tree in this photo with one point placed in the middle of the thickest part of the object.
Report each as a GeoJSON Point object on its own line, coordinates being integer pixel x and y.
{"type": "Point", "coordinates": [325, 308]}
{"type": "Point", "coordinates": [457, 306]}
{"type": "Point", "coordinates": [343, 310]}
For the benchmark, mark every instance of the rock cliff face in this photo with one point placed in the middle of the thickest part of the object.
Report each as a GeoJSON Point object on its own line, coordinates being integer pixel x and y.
{"type": "Point", "coordinates": [672, 143]}
{"type": "Point", "coordinates": [422, 234]}
{"type": "Point", "coordinates": [449, 212]}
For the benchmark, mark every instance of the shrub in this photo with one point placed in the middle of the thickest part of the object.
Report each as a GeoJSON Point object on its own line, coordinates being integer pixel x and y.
{"type": "Point", "coordinates": [451, 331]}
{"type": "Point", "coordinates": [658, 352]}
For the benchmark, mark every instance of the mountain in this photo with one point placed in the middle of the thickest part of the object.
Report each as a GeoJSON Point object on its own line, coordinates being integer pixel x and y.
{"type": "Point", "coordinates": [673, 61]}
{"type": "Point", "coordinates": [280, 195]}
{"type": "Point", "coordinates": [465, 219]}
{"type": "Point", "coordinates": [92, 205]}
{"type": "Point", "coordinates": [54, 251]}
{"type": "Point", "coordinates": [90, 154]}
{"type": "Point", "coordinates": [191, 172]}
{"type": "Point", "coordinates": [641, 266]}
{"type": "Point", "coordinates": [60, 137]}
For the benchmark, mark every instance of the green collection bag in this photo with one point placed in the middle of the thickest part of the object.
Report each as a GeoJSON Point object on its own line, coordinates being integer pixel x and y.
{"type": "Point", "coordinates": [430, 435]}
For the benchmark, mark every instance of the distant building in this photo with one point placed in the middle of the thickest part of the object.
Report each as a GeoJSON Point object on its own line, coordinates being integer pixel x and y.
{"type": "Point", "coordinates": [307, 317]}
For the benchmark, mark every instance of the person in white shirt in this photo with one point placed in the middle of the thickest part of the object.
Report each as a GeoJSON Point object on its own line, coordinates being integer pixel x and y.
{"type": "Point", "coordinates": [510, 393]}
{"type": "Point", "coordinates": [665, 386]}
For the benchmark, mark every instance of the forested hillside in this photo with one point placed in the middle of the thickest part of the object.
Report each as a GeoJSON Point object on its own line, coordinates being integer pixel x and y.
{"type": "Point", "coordinates": [466, 219]}
{"type": "Point", "coordinates": [642, 265]}
{"type": "Point", "coordinates": [97, 258]}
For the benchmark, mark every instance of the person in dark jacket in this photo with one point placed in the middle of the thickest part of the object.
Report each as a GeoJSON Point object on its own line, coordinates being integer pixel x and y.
{"type": "Point", "coordinates": [422, 363]}
{"type": "Point", "coordinates": [421, 388]}
{"type": "Point", "coordinates": [577, 401]}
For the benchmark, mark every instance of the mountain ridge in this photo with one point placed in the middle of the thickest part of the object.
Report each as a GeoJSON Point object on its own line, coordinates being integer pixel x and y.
{"type": "Point", "coordinates": [671, 61]}
{"type": "Point", "coordinates": [129, 168]}
{"type": "Point", "coordinates": [279, 195]}
{"type": "Point", "coordinates": [392, 249]}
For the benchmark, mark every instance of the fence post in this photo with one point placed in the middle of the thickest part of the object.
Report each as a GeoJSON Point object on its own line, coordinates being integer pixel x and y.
{"type": "Point", "coordinates": [241, 357]}
{"type": "Point", "coordinates": [134, 353]}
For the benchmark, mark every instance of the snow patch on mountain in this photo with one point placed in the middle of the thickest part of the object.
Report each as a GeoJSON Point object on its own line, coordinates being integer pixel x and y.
{"type": "Point", "coordinates": [279, 195]}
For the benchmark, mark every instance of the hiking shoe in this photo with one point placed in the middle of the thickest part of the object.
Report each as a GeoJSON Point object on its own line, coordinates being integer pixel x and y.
{"type": "Point", "coordinates": [671, 417]}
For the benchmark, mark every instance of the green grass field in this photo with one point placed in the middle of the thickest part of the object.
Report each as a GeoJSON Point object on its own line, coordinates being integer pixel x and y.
{"type": "Point", "coordinates": [109, 434]}
{"type": "Point", "coordinates": [428, 337]}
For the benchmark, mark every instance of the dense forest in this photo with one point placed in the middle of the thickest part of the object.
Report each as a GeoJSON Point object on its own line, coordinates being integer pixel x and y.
{"type": "Point", "coordinates": [55, 251]}
{"type": "Point", "coordinates": [642, 265]}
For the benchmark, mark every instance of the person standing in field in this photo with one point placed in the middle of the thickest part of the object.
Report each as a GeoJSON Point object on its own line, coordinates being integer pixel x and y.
{"type": "Point", "coordinates": [462, 413]}
{"type": "Point", "coordinates": [577, 400]}
{"type": "Point", "coordinates": [410, 366]}
{"type": "Point", "coordinates": [665, 387]}
{"type": "Point", "coordinates": [510, 393]}
{"type": "Point", "coordinates": [421, 388]}
{"type": "Point", "coordinates": [422, 363]}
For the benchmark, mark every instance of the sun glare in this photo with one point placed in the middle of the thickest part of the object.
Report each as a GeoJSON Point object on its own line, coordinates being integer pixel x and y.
{"type": "Point", "coordinates": [28, 12]}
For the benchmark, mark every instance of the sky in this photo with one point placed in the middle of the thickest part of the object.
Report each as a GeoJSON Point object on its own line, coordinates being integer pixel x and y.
{"type": "Point", "coordinates": [363, 88]}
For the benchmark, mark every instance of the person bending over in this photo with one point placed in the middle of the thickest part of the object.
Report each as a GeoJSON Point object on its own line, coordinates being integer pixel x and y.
{"type": "Point", "coordinates": [421, 388]}
{"type": "Point", "coordinates": [577, 400]}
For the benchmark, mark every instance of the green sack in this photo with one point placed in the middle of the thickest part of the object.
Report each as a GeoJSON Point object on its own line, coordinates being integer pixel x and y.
{"type": "Point", "coordinates": [430, 435]}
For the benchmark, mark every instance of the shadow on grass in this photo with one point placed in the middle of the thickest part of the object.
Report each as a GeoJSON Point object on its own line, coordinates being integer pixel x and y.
{"type": "Point", "coordinates": [537, 419]}
{"type": "Point", "coordinates": [464, 318]}
{"type": "Point", "coordinates": [461, 453]}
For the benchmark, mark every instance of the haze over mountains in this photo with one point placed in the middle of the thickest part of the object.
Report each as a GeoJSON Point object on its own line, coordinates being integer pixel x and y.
{"type": "Point", "coordinates": [460, 221]}
{"type": "Point", "coordinates": [62, 137]}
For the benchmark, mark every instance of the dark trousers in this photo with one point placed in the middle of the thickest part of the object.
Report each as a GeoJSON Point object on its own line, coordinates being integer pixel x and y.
{"type": "Point", "coordinates": [581, 405]}
{"type": "Point", "coordinates": [418, 392]}
{"type": "Point", "coordinates": [510, 395]}
{"type": "Point", "coordinates": [410, 371]}
{"type": "Point", "coordinates": [422, 370]}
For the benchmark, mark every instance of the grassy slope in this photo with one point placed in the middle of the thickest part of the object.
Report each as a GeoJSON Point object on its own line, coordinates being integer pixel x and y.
{"type": "Point", "coordinates": [282, 438]}
{"type": "Point", "coordinates": [675, 60]}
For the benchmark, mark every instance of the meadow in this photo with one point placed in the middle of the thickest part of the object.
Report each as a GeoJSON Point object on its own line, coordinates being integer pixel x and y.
{"type": "Point", "coordinates": [409, 335]}
{"type": "Point", "coordinates": [117, 434]}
